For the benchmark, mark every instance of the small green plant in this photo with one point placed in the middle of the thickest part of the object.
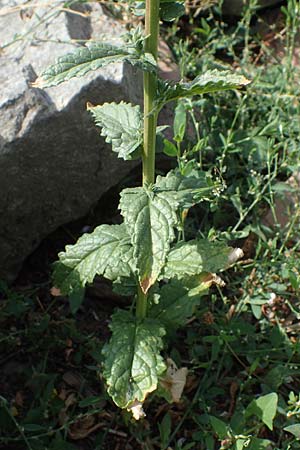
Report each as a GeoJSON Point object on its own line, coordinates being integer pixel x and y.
{"type": "Point", "coordinates": [145, 256]}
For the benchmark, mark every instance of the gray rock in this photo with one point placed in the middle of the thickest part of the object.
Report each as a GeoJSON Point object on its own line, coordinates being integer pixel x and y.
{"type": "Point", "coordinates": [235, 7]}
{"type": "Point", "coordinates": [53, 164]}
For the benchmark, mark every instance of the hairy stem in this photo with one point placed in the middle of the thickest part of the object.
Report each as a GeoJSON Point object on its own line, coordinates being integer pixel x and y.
{"type": "Point", "coordinates": [150, 85]}
{"type": "Point", "coordinates": [141, 304]}
{"type": "Point", "coordinates": [150, 119]}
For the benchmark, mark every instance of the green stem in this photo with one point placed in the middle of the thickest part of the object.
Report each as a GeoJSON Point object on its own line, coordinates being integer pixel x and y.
{"type": "Point", "coordinates": [150, 86]}
{"type": "Point", "coordinates": [150, 120]}
{"type": "Point", "coordinates": [141, 304]}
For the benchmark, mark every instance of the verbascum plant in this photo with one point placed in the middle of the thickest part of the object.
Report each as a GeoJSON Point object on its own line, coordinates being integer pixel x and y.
{"type": "Point", "coordinates": [143, 256]}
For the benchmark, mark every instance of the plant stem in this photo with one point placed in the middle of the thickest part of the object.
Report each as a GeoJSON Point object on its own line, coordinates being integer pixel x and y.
{"type": "Point", "coordinates": [150, 119]}
{"type": "Point", "coordinates": [141, 304]}
{"type": "Point", "coordinates": [150, 85]}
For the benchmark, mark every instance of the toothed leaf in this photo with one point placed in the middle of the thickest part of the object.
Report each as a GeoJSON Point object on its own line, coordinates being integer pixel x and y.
{"type": "Point", "coordinates": [187, 190]}
{"type": "Point", "coordinates": [196, 256]}
{"type": "Point", "coordinates": [132, 358]}
{"type": "Point", "coordinates": [210, 81]}
{"type": "Point", "coordinates": [178, 299]}
{"type": "Point", "coordinates": [150, 219]}
{"type": "Point", "coordinates": [107, 251]}
{"type": "Point", "coordinates": [122, 126]}
{"type": "Point", "coordinates": [90, 58]}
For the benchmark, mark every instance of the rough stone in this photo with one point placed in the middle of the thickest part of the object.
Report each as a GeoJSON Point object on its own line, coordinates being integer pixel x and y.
{"type": "Point", "coordinates": [53, 164]}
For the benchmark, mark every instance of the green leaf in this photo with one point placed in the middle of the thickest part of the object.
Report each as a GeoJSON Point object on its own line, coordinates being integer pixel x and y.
{"type": "Point", "coordinates": [253, 443]}
{"type": "Point", "coordinates": [258, 444]}
{"type": "Point", "coordinates": [187, 190]}
{"type": "Point", "coordinates": [76, 298]}
{"type": "Point", "coordinates": [196, 256]}
{"type": "Point", "coordinates": [219, 427]}
{"type": "Point", "coordinates": [264, 408]}
{"type": "Point", "coordinates": [169, 148]}
{"type": "Point", "coordinates": [165, 428]}
{"type": "Point", "coordinates": [179, 122]}
{"type": "Point", "coordinates": [150, 219]}
{"type": "Point", "coordinates": [211, 81]}
{"type": "Point", "coordinates": [132, 358]}
{"type": "Point", "coordinates": [294, 430]}
{"type": "Point", "coordinates": [122, 126]}
{"type": "Point", "coordinates": [125, 286]}
{"type": "Point", "coordinates": [171, 10]}
{"type": "Point", "coordinates": [90, 58]}
{"type": "Point", "coordinates": [107, 251]}
{"type": "Point", "coordinates": [177, 299]}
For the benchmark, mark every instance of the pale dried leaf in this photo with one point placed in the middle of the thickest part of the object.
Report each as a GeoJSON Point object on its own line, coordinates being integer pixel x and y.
{"type": "Point", "coordinates": [136, 408]}
{"type": "Point", "coordinates": [234, 255]}
{"type": "Point", "coordinates": [55, 292]}
{"type": "Point", "coordinates": [174, 380]}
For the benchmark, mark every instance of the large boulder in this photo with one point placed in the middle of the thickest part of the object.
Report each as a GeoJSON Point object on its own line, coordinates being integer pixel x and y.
{"type": "Point", "coordinates": [53, 164]}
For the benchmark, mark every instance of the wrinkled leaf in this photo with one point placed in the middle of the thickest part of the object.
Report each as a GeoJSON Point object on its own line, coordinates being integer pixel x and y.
{"type": "Point", "coordinates": [107, 251]}
{"type": "Point", "coordinates": [264, 408]}
{"type": "Point", "coordinates": [132, 359]}
{"type": "Point", "coordinates": [171, 10]}
{"type": "Point", "coordinates": [150, 219]}
{"type": "Point", "coordinates": [196, 256]}
{"type": "Point", "coordinates": [187, 190]}
{"type": "Point", "coordinates": [90, 58]}
{"type": "Point", "coordinates": [122, 126]}
{"type": "Point", "coordinates": [211, 81]}
{"type": "Point", "coordinates": [178, 299]}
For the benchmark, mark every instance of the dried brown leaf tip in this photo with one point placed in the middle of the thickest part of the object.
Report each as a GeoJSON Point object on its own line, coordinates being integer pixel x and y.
{"type": "Point", "coordinates": [136, 408]}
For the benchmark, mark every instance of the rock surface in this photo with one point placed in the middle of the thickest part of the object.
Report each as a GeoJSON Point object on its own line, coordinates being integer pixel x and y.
{"type": "Point", "coordinates": [53, 164]}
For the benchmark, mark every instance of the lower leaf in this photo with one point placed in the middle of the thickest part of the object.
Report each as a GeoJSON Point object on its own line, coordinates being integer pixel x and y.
{"type": "Point", "coordinates": [106, 251]}
{"type": "Point", "coordinates": [178, 299]}
{"type": "Point", "coordinates": [132, 359]}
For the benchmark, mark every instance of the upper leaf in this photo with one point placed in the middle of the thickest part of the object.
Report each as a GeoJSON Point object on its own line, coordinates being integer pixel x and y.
{"type": "Point", "coordinates": [196, 256]}
{"type": "Point", "coordinates": [187, 190]}
{"type": "Point", "coordinates": [210, 81]}
{"type": "Point", "coordinates": [178, 299]}
{"type": "Point", "coordinates": [107, 251]}
{"type": "Point", "coordinates": [122, 126]}
{"type": "Point", "coordinates": [150, 218]}
{"type": "Point", "coordinates": [171, 10]}
{"type": "Point", "coordinates": [90, 58]}
{"type": "Point", "coordinates": [132, 358]}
